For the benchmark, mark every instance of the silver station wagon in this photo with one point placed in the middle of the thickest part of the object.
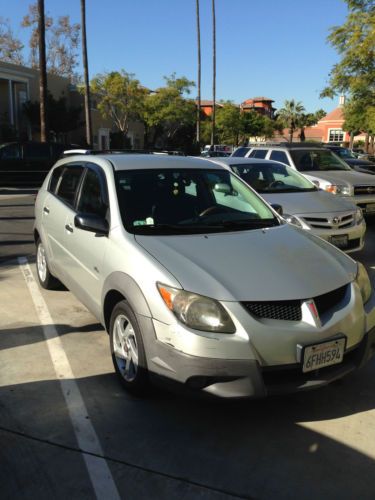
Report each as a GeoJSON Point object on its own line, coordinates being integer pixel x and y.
{"type": "Point", "coordinates": [198, 281]}
{"type": "Point", "coordinates": [333, 218]}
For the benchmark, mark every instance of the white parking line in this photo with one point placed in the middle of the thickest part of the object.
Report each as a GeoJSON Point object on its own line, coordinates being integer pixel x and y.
{"type": "Point", "coordinates": [100, 475]}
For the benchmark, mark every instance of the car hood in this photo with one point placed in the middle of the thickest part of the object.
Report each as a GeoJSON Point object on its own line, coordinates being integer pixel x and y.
{"type": "Point", "coordinates": [350, 177]}
{"type": "Point", "coordinates": [359, 162]}
{"type": "Point", "coordinates": [309, 202]}
{"type": "Point", "coordinates": [280, 263]}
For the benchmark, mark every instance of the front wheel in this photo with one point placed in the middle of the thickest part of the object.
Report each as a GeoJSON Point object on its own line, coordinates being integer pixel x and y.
{"type": "Point", "coordinates": [128, 354]}
{"type": "Point", "coordinates": [46, 279]}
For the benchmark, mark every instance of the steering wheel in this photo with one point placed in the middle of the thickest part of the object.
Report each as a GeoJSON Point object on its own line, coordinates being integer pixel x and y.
{"type": "Point", "coordinates": [213, 209]}
{"type": "Point", "coordinates": [277, 183]}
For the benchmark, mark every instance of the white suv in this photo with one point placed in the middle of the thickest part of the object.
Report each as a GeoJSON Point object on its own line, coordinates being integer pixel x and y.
{"type": "Point", "coordinates": [321, 166]}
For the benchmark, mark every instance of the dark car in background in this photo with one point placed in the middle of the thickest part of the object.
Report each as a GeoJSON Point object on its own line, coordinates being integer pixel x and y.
{"type": "Point", "coordinates": [27, 163]}
{"type": "Point", "coordinates": [359, 164]}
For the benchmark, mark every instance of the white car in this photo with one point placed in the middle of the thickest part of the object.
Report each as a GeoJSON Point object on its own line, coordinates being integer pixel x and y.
{"type": "Point", "coordinates": [198, 281]}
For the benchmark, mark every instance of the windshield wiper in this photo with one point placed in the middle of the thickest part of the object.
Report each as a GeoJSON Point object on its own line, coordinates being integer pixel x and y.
{"type": "Point", "coordinates": [250, 223]}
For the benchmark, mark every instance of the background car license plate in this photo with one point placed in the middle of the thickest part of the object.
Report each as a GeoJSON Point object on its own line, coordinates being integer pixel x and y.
{"type": "Point", "coordinates": [340, 241]}
{"type": "Point", "coordinates": [370, 208]}
{"type": "Point", "coordinates": [324, 354]}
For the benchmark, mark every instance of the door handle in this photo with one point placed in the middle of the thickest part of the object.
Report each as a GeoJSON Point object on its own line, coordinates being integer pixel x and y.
{"type": "Point", "coordinates": [46, 210]}
{"type": "Point", "coordinates": [69, 228]}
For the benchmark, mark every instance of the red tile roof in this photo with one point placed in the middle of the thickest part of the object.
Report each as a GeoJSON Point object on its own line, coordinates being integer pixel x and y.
{"type": "Point", "coordinates": [335, 115]}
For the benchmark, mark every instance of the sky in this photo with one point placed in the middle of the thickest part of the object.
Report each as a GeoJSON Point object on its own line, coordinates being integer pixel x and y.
{"type": "Point", "coordinates": [271, 48]}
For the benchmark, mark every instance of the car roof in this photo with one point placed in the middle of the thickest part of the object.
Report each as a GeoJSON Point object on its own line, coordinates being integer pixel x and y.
{"type": "Point", "coordinates": [142, 161]}
{"type": "Point", "coordinates": [238, 160]}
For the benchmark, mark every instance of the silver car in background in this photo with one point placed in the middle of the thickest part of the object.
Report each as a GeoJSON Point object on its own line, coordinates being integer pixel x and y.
{"type": "Point", "coordinates": [197, 280]}
{"type": "Point", "coordinates": [332, 218]}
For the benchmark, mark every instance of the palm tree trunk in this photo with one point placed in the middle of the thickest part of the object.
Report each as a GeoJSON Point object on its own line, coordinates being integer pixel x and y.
{"type": "Point", "coordinates": [199, 75]}
{"type": "Point", "coordinates": [214, 73]}
{"type": "Point", "coordinates": [86, 76]}
{"type": "Point", "coordinates": [42, 73]}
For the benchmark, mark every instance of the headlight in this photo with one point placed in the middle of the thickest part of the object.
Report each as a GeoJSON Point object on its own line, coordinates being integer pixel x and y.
{"type": "Point", "coordinates": [363, 281]}
{"type": "Point", "coordinates": [337, 189]}
{"type": "Point", "coordinates": [196, 311]}
{"type": "Point", "coordinates": [292, 219]}
{"type": "Point", "coordinates": [358, 216]}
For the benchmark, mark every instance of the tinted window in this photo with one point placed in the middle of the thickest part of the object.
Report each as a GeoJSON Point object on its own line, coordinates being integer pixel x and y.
{"type": "Point", "coordinates": [317, 159]}
{"type": "Point", "coordinates": [69, 183]}
{"type": "Point", "coordinates": [91, 198]}
{"type": "Point", "coordinates": [240, 152]}
{"type": "Point", "coordinates": [54, 179]}
{"type": "Point", "coordinates": [36, 151]}
{"type": "Point", "coordinates": [10, 152]}
{"type": "Point", "coordinates": [258, 153]}
{"type": "Point", "coordinates": [279, 156]}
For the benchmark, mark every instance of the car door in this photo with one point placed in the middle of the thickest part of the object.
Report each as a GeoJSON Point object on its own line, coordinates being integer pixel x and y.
{"type": "Point", "coordinates": [86, 249]}
{"type": "Point", "coordinates": [37, 161]}
{"type": "Point", "coordinates": [59, 203]}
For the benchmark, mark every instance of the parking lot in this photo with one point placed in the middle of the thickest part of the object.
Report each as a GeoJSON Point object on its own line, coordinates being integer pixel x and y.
{"type": "Point", "coordinates": [68, 430]}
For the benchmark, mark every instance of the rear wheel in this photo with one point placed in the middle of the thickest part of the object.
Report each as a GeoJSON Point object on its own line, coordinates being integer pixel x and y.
{"type": "Point", "coordinates": [128, 354]}
{"type": "Point", "coordinates": [46, 279]}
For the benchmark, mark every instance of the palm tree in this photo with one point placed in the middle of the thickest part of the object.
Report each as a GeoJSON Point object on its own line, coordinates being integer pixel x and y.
{"type": "Point", "coordinates": [199, 75]}
{"type": "Point", "coordinates": [214, 72]}
{"type": "Point", "coordinates": [86, 76]}
{"type": "Point", "coordinates": [42, 72]}
{"type": "Point", "coordinates": [291, 114]}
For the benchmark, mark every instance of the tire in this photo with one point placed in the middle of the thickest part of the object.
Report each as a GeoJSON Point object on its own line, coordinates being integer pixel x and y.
{"type": "Point", "coordinates": [45, 278]}
{"type": "Point", "coordinates": [127, 350]}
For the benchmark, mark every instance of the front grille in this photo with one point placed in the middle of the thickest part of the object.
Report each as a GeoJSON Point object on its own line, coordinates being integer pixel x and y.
{"type": "Point", "coordinates": [329, 300]}
{"type": "Point", "coordinates": [339, 222]}
{"type": "Point", "coordinates": [289, 310]}
{"type": "Point", "coordinates": [364, 190]}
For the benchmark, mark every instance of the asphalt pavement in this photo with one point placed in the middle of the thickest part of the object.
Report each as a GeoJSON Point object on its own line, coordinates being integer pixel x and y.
{"type": "Point", "coordinates": [68, 430]}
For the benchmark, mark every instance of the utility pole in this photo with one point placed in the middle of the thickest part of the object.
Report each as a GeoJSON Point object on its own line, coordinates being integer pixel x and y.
{"type": "Point", "coordinates": [86, 76]}
{"type": "Point", "coordinates": [42, 73]}
{"type": "Point", "coordinates": [214, 72]}
{"type": "Point", "coordinates": [199, 75]}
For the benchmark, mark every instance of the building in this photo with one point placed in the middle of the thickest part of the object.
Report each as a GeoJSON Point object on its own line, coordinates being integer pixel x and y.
{"type": "Point", "coordinates": [19, 84]}
{"type": "Point", "coordinates": [262, 105]}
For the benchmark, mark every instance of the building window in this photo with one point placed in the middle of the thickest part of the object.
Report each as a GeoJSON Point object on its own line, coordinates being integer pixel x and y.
{"type": "Point", "coordinates": [336, 135]}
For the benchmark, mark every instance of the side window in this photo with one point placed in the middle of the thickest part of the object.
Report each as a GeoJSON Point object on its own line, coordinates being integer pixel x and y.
{"type": "Point", "coordinates": [279, 156]}
{"type": "Point", "coordinates": [91, 198]}
{"type": "Point", "coordinates": [69, 183]}
{"type": "Point", "coordinates": [36, 151]}
{"type": "Point", "coordinates": [258, 153]}
{"type": "Point", "coordinates": [240, 152]}
{"type": "Point", "coordinates": [55, 179]}
{"type": "Point", "coordinates": [10, 152]}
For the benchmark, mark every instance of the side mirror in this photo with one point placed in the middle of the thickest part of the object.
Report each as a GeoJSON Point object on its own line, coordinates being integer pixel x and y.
{"type": "Point", "coordinates": [278, 208]}
{"type": "Point", "coordinates": [222, 188]}
{"type": "Point", "coordinates": [92, 223]}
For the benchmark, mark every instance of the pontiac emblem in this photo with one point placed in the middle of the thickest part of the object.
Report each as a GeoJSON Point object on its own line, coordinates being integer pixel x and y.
{"type": "Point", "coordinates": [314, 312]}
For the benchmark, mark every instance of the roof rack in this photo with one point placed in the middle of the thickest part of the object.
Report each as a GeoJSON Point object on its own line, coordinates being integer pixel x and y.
{"type": "Point", "coordinates": [70, 152]}
{"type": "Point", "coordinates": [287, 144]}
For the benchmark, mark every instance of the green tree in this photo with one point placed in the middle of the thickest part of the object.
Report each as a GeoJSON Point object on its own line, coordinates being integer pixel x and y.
{"type": "Point", "coordinates": [358, 119]}
{"type": "Point", "coordinates": [120, 97]}
{"type": "Point", "coordinates": [308, 120]}
{"type": "Point", "coordinates": [167, 111]}
{"type": "Point", "coordinates": [228, 123]}
{"type": "Point", "coordinates": [290, 116]}
{"type": "Point", "coordinates": [354, 74]}
{"type": "Point", "coordinates": [10, 46]}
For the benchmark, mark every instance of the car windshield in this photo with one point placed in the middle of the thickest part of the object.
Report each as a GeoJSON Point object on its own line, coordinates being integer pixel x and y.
{"type": "Point", "coordinates": [317, 159]}
{"type": "Point", "coordinates": [188, 201]}
{"type": "Point", "coordinates": [272, 177]}
{"type": "Point", "coordinates": [344, 153]}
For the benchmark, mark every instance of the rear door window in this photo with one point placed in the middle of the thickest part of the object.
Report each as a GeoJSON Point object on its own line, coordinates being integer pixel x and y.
{"type": "Point", "coordinates": [258, 153]}
{"type": "Point", "coordinates": [69, 183]}
{"type": "Point", "coordinates": [55, 177]}
{"type": "Point", "coordinates": [91, 200]}
{"type": "Point", "coordinates": [279, 156]}
{"type": "Point", "coordinates": [10, 152]}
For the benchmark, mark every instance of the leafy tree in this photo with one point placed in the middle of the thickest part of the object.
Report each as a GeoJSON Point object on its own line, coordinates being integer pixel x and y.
{"type": "Point", "coordinates": [358, 119]}
{"type": "Point", "coordinates": [308, 120]}
{"type": "Point", "coordinates": [10, 46]}
{"type": "Point", "coordinates": [61, 117]}
{"type": "Point", "coordinates": [355, 72]}
{"type": "Point", "coordinates": [167, 111]}
{"type": "Point", "coordinates": [62, 40]}
{"type": "Point", "coordinates": [228, 123]}
{"type": "Point", "coordinates": [120, 97]}
{"type": "Point", "coordinates": [290, 116]}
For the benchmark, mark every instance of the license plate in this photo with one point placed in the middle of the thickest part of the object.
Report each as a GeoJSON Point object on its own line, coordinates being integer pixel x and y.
{"type": "Point", "coordinates": [340, 241]}
{"type": "Point", "coordinates": [323, 354]}
{"type": "Point", "coordinates": [370, 208]}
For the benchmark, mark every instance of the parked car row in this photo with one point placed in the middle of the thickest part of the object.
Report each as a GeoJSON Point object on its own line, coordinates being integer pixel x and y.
{"type": "Point", "coordinates": [199, 281]}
